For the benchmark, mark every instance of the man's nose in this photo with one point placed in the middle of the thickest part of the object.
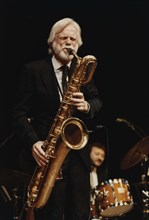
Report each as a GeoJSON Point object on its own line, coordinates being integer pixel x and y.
{"type": "Point", "coordinates": [100, 159]}
{"type": "Point", "coordinates": [68, 40]}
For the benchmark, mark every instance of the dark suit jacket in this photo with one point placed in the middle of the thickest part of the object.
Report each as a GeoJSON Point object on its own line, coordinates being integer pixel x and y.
{"type": "Point", "coordinates": [38, 98]}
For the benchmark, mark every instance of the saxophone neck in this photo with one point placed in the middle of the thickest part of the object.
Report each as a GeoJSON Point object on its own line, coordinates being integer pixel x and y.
{"type": "Point", "coordinates": [72, 52]}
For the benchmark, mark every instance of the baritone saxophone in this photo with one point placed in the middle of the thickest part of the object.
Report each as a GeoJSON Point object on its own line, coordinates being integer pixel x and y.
{"type": "Point", "coordinates": [66, 133]}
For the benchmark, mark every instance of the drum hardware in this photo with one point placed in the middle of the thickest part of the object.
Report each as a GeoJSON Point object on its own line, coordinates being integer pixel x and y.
{"type": "Point", "coordinates": [94, 201]}
{"type": "Point", "coordinates": [15, 181]}
{"type": "Point", "coordinates": [145, 189]}
{"type": "Point", "coordinates": [16, 199]}
{"type": "Point", "coordinates": [145, 201]}
{"type": "Point", "coordinates": [145, 193]}
{"type": "Point", "coordinates": [5, 194]}
{"type": "Point", "coordinates": [104, 194]}
{"type": "Point", "coordinates": [142, 189]}
{"type": "Point", "coordinates": [96, 197]}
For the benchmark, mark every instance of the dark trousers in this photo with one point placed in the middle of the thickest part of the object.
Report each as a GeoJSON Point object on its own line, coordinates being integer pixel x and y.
{"type": "Point", "coordinates": [54, 209]}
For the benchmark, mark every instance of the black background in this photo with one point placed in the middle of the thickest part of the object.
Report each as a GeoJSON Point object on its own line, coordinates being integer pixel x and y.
{"type": "Point", "coordinates": [117, 33]}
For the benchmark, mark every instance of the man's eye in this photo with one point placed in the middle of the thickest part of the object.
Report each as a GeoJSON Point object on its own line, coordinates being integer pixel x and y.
{"type": "Point", "coordinates": [62, 38]}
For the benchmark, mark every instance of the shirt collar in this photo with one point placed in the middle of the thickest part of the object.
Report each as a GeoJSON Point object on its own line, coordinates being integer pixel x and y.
{"type": "Point", "coordinates": [57, 64]}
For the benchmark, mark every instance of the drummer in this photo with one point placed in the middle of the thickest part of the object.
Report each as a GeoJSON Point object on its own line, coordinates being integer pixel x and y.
{"type": "Point", "coordinates": [97, 175]}
{"type": "Point", "coordinates": [92, 173]}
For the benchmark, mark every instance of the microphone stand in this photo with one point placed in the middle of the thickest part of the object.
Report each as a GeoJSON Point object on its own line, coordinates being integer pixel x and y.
{"type": "Point", "coordinates": [133, 126]}
{"type": "Point", "coordinates": [138, 132]}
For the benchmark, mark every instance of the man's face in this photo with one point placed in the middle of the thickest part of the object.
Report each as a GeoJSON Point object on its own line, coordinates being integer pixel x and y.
{"type": "Point", "coordinates": [97, 156]}
{"type": "Point", "coordinates": [67, 38]}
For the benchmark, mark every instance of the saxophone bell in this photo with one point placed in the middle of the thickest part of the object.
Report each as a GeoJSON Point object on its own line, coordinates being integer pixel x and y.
{"type": "Point", "coordinates": [74, 133]}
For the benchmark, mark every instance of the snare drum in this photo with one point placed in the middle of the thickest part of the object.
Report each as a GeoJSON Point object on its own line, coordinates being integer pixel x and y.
{"type": "Point", "coordinates": [115, 198]}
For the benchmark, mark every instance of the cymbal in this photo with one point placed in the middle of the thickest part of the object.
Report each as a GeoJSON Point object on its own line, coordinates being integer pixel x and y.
{"type": "Point", "coordinates": [136, 154]}
{"type": "Point", "coordinates": [13, 177]}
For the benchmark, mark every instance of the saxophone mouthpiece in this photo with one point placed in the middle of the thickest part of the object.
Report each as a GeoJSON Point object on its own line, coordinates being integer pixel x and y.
{"type": "Point", "coordinates": [72, 52]}
{"type": "Point", "coordinates": [69, 51]}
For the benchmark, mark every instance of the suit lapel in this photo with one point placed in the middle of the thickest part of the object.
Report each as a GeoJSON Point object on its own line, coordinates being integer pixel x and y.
{"type": "Point", "coordinates": [49, 79]}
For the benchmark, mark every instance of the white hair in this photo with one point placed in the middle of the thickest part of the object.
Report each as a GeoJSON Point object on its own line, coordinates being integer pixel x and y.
{"type": "Point", "coordinates": [59, 26]}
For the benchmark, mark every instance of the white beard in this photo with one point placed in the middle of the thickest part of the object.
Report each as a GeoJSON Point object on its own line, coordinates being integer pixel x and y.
{"type": "Point", "coordinates": [59, 52]}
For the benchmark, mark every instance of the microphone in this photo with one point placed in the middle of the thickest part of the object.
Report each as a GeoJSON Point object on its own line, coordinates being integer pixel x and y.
{"type": "Point", "coordinates": [119, 120]}
{"type": "Point", "coordinates": [129, 124]}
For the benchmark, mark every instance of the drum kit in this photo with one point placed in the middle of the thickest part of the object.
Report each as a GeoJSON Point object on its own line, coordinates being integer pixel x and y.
{"type": "Point", "coordinates": [113, 199]}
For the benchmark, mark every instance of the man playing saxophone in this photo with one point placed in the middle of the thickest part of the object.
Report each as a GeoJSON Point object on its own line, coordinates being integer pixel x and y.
{"type": "Point", "coordinates": [39, 96]}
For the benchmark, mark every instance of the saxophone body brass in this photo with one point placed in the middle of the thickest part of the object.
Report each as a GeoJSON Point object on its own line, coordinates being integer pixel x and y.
{"type": "Point", "coordinates": [66, 133]}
